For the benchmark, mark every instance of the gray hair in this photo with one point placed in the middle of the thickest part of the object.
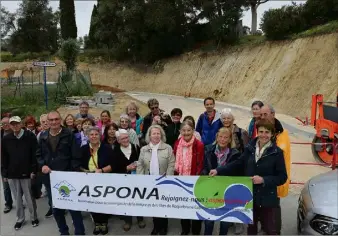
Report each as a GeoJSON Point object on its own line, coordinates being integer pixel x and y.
{"type": "Point", "coordinates": [163, 137]}
{"type": "Point", "coordinates": [132, 103]}
{"type": "Point", "coordinates": [93, 128]}
{"type": "Point", "coordinates": [226, 112]}
{"type": "Point", "coordinates": [124, 116]}
{"type": "Point", "coordinates": [271, 108]}
{"type": "Point", "coordinates": [42, 116]}
{"type": "Point", "coordinates": [119, 132]}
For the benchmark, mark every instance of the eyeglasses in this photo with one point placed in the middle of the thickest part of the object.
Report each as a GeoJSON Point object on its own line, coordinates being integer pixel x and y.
{"type": "Point", "coordinates": [153, 108]}
{"type": "Point", "coordinates": [56, 119]}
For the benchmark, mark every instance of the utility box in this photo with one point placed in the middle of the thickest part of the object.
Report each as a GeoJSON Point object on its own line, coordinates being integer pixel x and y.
{"type": "Point", "coordinates": [104, 97]}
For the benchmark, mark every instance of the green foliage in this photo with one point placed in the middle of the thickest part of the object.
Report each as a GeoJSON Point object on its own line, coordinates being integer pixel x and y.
{"type": "Point", "coordinates": [67, 19]}
{"type": "Point", "coordinates": [69, 52]}
{"type": "Point", "coordinates": [7, 22]}
{"type": "Point", "coordinates": [330, 27]}
{"type": "Point", "coordinates": [318, 12]}
{"type": "Point", "coordinates": [28, 56]}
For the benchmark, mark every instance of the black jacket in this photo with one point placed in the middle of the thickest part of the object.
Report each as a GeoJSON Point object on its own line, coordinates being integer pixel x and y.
{"type": "Point", "coordinates": [120, 162]}
{"type": "Point", "coordinates": [270, 166]}
{"type": "Point", "coordinates": [19, 156]}
{"type": "Point", "coordinates": [148, 120]}
{"type": "Point", "coordinates": [104, 156]}
{"type": "Point", "coordinates": [65, 158]}
{"type": "Point", "coordinates": [172, 132]}
{"type": "Point", "coordinates": [210, 159]}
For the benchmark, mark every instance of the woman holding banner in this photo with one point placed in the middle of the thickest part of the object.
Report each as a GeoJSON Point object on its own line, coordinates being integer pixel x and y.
{"type": "Point", "coordinates": [156, 158]}
{"type": "Point", "coordinates": [189, 153]}
{"type": "Point", "coordinates": [221, 153]}
{"type": "Point", "coordinates": [96, 158]}
{"type": "Point", "coordinates": [125, 156]}
{"type": "Point", "coordinates": [264, 162]}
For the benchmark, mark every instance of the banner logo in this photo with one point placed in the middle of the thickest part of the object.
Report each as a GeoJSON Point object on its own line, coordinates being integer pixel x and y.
{"type": "Point", "coordinates": [64, 188]}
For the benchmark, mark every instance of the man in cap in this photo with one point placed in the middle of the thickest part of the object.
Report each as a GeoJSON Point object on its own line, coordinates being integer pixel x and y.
{"type": "Point", "coordinates": [19, 166]}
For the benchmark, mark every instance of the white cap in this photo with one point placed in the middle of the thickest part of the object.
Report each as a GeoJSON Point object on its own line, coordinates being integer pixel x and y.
{"type": "Point", "coordinates": [15, 119]}
{"type": "Point", "coordinates": [120, 131]}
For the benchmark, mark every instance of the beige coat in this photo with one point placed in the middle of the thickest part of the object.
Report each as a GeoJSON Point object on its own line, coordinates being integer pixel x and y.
{"type": "Point", "coordinates": [166, 160]}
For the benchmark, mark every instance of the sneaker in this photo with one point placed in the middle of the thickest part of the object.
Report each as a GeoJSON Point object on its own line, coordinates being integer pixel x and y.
{"type": "Point", "coordinates": [239, 228]}
{"type": "Point", "coordinates": [18, 225]}
{"type": "Point", "coordinates": [97, 229]}
{"type": "Point", "coordinates": [104, 229]}
{"type": "Point", "coordinates": [141, 224]}
{"type": "Point", "coordinates": [7, 209]}
{"type": "Point", "coordinates": [126, 227]}
{"type": "Point", "coordinates": [49, 213]}
{"type": "Point", "coordinates": [35, 223]}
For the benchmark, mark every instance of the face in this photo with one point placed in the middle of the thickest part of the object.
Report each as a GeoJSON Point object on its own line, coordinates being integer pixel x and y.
{"type": "Point", "coordinates": [264, 135]}
{"type": "Point", "coordinates": [79, 126]}
{"type": "Point", "coordinates": [44, 123]}
{"type": "Point", "coordinates": [39, 128]}
{"type": "Point", "coordinates": [16, 126]}
{"type": "Point", "coordinates": [124, 140]}
{"type": "Point", "coordinates": [54, 120]}
{"type": "Point", "coordinates": [30, 126]}
{"type": "Point", "coordinates": [86, 125]}
{"type": "Point", "coordinates": [111, 132]}
{"type": "Point", "coordinates": [124, 123]}
{"type": "Point", "coordinates": [132, 111]}
{"type": "Point", "coordinates": [5, 124]}
{"type": "Point", "coordinates": [266, 114]}
{"type": "Point", "coordinates": [227, 120]}
{"type": "Point", "coordinates": [155, 136]}
{"type": "Point", "coordinates": [84, 109]}
{"type": "Point", "coordinates": [187, 132]}
{"type": "Point", "coordinates": [94, 137]}
{"type": "Point", "coordinates": [256, 111]}
{"type": "Point", "coordinates": [69, 121]}
{"type": "Point", "coordinates": [209, 105]}
{"type": "Point", "coordinates": [155, 110]}
{"type": "Point", "coordinates": [104, 117]}
{"type": "Point", "coordinates": [223, 139]}
{"type": "Point", "coordinates": [176, 118]}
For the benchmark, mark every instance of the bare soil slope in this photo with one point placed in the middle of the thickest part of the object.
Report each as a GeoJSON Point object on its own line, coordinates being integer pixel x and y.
{"type": "Point", "coordinates": [284, 74]}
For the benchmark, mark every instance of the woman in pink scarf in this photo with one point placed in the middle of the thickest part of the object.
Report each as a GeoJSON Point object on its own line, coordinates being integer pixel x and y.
{"type": "Point", "coordinates": [189, 153]}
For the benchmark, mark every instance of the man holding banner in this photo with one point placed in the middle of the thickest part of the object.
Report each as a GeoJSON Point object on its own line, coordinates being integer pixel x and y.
{"type": "Point", "coordinates": [57, 150]}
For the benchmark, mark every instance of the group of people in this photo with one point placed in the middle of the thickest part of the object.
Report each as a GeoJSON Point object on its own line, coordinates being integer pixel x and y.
{"type": "Point", "coordinates": [155, 144]}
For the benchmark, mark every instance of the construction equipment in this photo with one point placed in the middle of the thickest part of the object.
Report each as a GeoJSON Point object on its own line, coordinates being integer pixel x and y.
{"type": "Point", "coordinates": [324, 117]}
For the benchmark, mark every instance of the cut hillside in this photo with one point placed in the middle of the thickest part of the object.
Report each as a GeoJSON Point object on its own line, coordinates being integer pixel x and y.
{"type": "Point", "coordinates": [284, 74]}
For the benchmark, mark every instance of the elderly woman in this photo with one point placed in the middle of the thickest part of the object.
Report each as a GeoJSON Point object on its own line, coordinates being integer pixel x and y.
{"type": "Point", "coordinates": [81, 137]}
{"type": "Point", "coordinates": [222, 153]}
{"type": "Point", "coordinates": [189, 153]}
{"type": "Point", "coordinates": [110, 135]}
{"type": "Point", "coordinates": [264, 162]}
{"type": "Point", "coordinates": [30, 124]}
{"type": "Point", "coordinates": [126, 156]}
{"type": "Point", "coordinates": [135, 119]}
{"type": "Point", "coordinates": [256, 114]}
{"type": "Point", "coordinates": [156, 158]}
{"type": "Point", "coordinates": [240, 136]}
{"type": "Point", "coordinates": [105, 119]}
{"type": "Point", "coordinates": [192, 120]}
{"type": "Point", "coordinates": [69, 122]}
{"type": "Point", "coordinates": [125, 123]}
{"type": "Point", "coordinates": [96, 158]}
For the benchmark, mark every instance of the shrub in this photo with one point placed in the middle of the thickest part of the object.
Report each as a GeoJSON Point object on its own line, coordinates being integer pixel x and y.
{"type": "Point", "coordinates": [318, 12]}
{"type": "Point", "coordinates": [68, 53]}
{"type": "Point", "coordinates": [283, 22]}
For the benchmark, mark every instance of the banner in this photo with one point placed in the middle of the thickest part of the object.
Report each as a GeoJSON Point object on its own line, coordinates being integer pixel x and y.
{"type": "Point", "coordinates": [184, 197]}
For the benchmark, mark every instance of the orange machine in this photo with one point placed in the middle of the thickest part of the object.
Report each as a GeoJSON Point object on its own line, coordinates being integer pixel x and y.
{"type": "Point", "coordinates": [324, 117]}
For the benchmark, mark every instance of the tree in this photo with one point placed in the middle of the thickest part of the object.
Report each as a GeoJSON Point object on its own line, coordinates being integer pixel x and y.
{"type": "Point", "coordinates": [7, 22]}
{"type": "Point", "coordinates": [68, 54]}
{"type": "Point", "coordinates": [67, 19]}
{"type": "Point", "coordinates": [254, 4]}
{"type": "Point", "coordinates": [90, 39]}
{"type": "Point", "coordinates": [37, 29]}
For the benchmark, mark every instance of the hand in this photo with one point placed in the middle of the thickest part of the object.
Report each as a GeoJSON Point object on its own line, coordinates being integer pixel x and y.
{"type": "Point", "coordinates": [46, 170]}
{"type": "Point", "coordinates": [98, 171]}
{"type": "Point", "coordinates": [5, 180]}
{"type": "Point", "coordinates": [32, 175]}
{"type": "Point", "coordinates": [131, 167]}
{"type": "Point", "coordinates": [257, 179]}
{"type": "Point", "coordinates": [213, 172]}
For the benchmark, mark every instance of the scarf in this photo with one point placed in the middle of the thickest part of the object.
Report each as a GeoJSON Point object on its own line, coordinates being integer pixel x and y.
{"type": "Point", "coordinates": [154, 165]}
{"type": "Point", "coordinates": [222, 156]}
{"type": "Point", "coordinates": [184, 157]}
{"type": "Point", "coordinates": [259, 153]}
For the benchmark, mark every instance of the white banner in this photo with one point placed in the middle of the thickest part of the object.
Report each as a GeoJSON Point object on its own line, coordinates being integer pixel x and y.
{"type": "Point", "coordinates": [183, 197]}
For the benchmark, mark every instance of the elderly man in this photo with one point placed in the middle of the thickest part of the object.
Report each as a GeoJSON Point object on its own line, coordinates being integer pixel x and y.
{"type": "Point", "coordinates": [44, 125]}
{"type": "Point", "coordinates": [57, 150]}
{"type": "Point", "coordinates": [84, 109]}
{"type": "Point", "coordinates": [6, 129]}
{"type": "Point", "coordinates": [19, 166]}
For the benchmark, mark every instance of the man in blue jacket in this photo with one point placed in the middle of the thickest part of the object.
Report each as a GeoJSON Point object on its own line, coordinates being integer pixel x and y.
{"type": "Point", "coordinates": [209, 122]}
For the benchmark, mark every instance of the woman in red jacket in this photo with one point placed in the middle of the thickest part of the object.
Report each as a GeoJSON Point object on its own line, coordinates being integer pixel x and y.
{"type": "Point", "coordinates": [189, 153]}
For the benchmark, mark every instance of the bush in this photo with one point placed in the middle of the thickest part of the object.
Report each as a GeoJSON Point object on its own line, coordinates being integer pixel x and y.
{"type": "Point", "coordinates": [318, 12]}
{"type": "Point", "coordinates": [68, 53]}
{"type": "Point", "coordinates": [28, 56]}
{"type": "Point", "coordinates": [283, 22]}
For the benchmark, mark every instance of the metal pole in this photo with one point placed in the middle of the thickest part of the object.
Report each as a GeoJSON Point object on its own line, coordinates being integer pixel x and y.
{"type": "Point", "coordinates": [45, 86]}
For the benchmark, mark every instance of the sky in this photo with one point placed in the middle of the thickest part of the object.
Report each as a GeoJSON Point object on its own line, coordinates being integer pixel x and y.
{"type": "Point", "coordinates": [83, 11]}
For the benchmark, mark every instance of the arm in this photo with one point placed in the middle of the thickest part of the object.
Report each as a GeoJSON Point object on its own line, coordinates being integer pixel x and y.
{"type": "Point", "coordinates": [140, 170]}
{"type": "Point", "coordinates": [4, 159]}
{"type": "Point", "coordinates": [39, 155]}
{"type": "Point", "coordinates": [206, 164]}
{"type": "Point", "coordinates": [75, 154]}
{"type": "Point", "coordinates": [171, 162]}
{"type": "Point", "coordinates": [200, 159]}
{"type": "Point", "coordinates": [234, 167]}
{"type": "Point", "coordinates": [280, 176]}
{"type": "Point", "coordinates": [199, 124]}
{"type": "Point", "coordinates": [34, 162]}
{"type": "Point", "coordinates": [245, 137]}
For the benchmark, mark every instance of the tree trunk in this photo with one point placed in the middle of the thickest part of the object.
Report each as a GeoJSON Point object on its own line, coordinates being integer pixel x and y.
{"type": "Point", "coordinates": [253, 19]}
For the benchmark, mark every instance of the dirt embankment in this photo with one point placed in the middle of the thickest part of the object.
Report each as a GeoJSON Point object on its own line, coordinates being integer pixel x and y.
{"type": "Point", "coordinates": [285, 74]}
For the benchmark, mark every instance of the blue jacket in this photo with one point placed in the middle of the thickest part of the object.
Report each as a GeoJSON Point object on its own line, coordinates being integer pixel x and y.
{"type": "Point", "coordinates": [208, 131]}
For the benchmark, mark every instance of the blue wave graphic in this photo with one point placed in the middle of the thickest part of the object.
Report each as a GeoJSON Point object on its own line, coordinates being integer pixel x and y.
{"type": "Point", "coordinates": [171, 182]}
{"type": "Point", "coordinates": [236, 214]}
{"type": "Point", "coordinates": [185, 184]}
{"type": "Point", "coordinates": [161, 177]}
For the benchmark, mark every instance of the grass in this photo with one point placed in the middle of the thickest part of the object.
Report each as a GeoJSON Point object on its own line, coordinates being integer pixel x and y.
{"type": "Point", "coordinates": [328, 28]}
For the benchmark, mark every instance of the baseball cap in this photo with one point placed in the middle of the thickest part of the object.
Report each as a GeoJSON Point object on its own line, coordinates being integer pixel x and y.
{"type": "Point", "coordinates": [15, 119]}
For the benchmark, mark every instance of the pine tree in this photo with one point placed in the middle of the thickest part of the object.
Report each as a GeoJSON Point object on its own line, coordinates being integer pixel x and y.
{"type": "Point", "coordinates": [67, 19]}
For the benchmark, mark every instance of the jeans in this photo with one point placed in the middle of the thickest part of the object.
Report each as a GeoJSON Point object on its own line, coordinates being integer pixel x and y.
{"type": "Point", "coordinates": [209, 227]}
{"type": "Point", "coordinates": [59, 215]}
{"type": "Point", "coordinates": [7, 193]}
